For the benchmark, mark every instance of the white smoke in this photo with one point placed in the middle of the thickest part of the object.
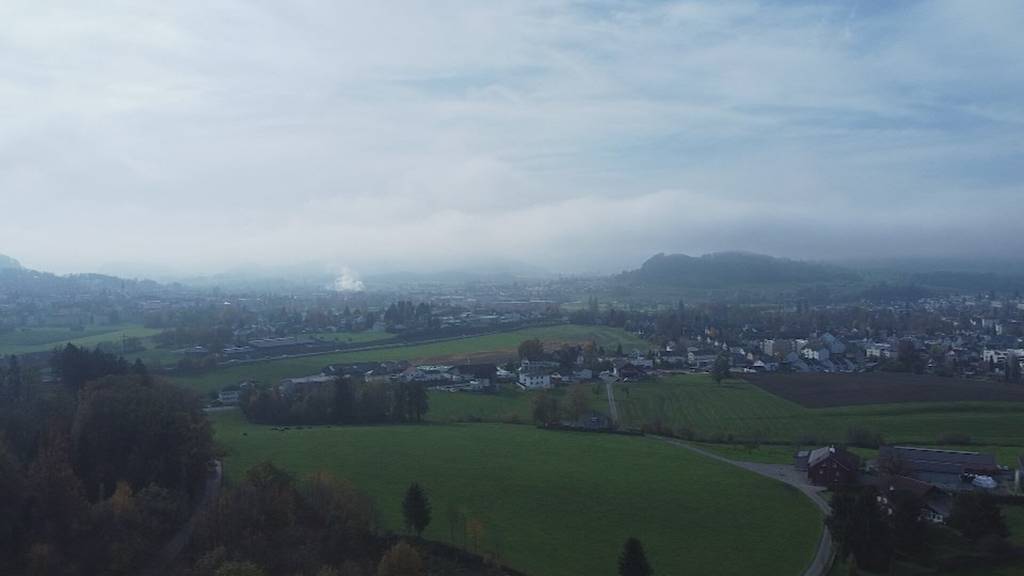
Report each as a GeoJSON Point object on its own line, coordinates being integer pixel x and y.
{"type": "Point", "coordinates": [348, 281]}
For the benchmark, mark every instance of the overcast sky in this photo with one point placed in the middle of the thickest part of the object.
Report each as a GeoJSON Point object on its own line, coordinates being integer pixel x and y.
{"type": "Point", "coordinates": [203, 135]}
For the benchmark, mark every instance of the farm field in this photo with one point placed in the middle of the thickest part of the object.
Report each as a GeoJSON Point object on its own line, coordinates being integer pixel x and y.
{"type": "Point", "coordinates": [491, 347]}
{"type": "Point", "coordinates": [509, 406]}
{"type": "Point", "coordinates": [829, 390]}
{"type": "Point", "coordinates": [740, 409]}
{"type": "Point", "coordinates": [555, 503]}
{"type": "Point", "coordinates": [31, 340]}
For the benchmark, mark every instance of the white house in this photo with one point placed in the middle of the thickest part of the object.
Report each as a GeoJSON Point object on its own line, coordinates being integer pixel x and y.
{"type": "Point", "coordinates": [819, 354]}
{"type": "Point", "coordinates": [638, 359]}
{"type": "Point", "coordinates": [534, 379]}
{"type": "Point", "coordinates": [998, 357]}
{"type": "Point", "coordinates": [228, 397]}
{"type": "Point", "coordinates": [878, 350]}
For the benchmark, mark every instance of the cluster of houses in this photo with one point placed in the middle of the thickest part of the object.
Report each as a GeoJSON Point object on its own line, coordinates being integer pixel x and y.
{"type": "Point", "coordinates": [847, 353]}
{"type": "Point", "coordinates": [543, 374]}
{"type": "Point", "coordinates": [933, 475]}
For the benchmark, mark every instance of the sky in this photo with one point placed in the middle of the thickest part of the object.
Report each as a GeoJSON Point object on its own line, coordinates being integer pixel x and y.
{"type": "Point", "coordinates": [201, 136]}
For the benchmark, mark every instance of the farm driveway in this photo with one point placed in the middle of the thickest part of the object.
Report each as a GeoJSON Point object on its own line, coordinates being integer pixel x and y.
{"type": "Point", "coordinates": [613, 409]}
{"type": "Point", "coordinates": [825, 555]}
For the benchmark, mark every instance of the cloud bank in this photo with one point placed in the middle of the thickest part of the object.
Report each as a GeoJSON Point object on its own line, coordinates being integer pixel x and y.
{"type": "Point", "coordinates": [201, 136]}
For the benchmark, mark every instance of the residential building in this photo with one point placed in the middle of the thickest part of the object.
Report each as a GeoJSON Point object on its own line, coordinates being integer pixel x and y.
{"type": "Point", "coordinates": [534, 378]}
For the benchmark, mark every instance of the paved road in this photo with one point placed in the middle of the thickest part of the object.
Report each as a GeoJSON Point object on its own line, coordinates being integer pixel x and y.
{"type": "Point", "coordinates": [613, 409]}
{"type": "Point", "coordinates": [825, 554]}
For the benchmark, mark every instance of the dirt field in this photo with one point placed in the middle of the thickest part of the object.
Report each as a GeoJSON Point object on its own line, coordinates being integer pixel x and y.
{"type": "Point", "coordinates": [827, 390]}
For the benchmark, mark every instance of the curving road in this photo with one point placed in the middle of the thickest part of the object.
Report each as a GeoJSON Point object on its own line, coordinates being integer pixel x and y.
{"type": "Point", "coordinates": [825, 554]}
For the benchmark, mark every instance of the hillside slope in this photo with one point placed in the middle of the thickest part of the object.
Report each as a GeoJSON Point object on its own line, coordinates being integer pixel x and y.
{"type": "Point", "coordinates": [726, 269]}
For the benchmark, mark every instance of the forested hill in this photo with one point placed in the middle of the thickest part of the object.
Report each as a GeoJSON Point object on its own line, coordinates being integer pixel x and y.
{"type": "Point", "coordinates": [15, 278]}
{"type": "Point", "coordinates": [8, 262]}
{"type": "Point", "coordinates": [724, 269]}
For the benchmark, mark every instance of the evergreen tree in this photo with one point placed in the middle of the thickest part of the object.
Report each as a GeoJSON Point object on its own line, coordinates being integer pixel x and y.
{"type": "Point", "coordinates": [976, 515]}
{"type": "Point", "coordinates": [416, 509]}
{"type": "Point", "coordinates": [633, 561]}
{"type": "Point", "coordinates": [858, 528]}
{"type": "Point", "coordinates": [909, 530]}
{"type": "Point", "coordinates": [14, 383]}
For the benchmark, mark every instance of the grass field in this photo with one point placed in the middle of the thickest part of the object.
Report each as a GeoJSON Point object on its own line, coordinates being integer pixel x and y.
{"type": "Point", "coordinates": [828, 390]}
{"type": "Point", "coordinates": [508, 406]}
{"type": "Point", "coordinates": [504, 344]}
{"type": "Point", "coordinates": [30, 340]}
{"type": "Point", "coordinates": [555, 503]}
{"type": "Point", "coordinates": [743, 410]}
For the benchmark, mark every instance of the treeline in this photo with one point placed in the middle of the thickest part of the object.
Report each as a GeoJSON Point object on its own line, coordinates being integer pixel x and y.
{"type": "Point", "coordinates": [75, 366]}
{"type": "Point", "coordinates": [273, 525]}
{"type": "Point", "coordinates": [270, 524]}
{"type": "Point", "coordinates": [408, 315]}
{"type": "Point", "coordinates": [344, 401]}
{"type": "Point", "coordinates": [876, 531]}
{"type": "Point", "coordinates": [96, 471]}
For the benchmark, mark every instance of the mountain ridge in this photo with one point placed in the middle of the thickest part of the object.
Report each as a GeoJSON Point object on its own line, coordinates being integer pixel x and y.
{"type": "Point", "coordinates": [723, 269]}
{"type": "Point", "coordinates": [8, 263]}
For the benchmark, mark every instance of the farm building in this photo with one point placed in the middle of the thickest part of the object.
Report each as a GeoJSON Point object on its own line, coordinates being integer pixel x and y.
{"type": "Point", "coordinates": [800, 460]}
{"type": "Point", "coordinates": [289, 386]}
{"type": "Point", "coordinates": [936, 503]}
{"type": "Point", "coordinates": [485, 374]}
{"type": "Point", "coordinates": [948, 469]}
{"type": "Point", "coordinates": [229, 397]}
{"type": "Point", "coordinates": [832, 467]}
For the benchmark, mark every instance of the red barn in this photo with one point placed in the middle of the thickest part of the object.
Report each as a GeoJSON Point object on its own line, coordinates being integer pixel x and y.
{"type": "Point", "coordinates": [832, 467]}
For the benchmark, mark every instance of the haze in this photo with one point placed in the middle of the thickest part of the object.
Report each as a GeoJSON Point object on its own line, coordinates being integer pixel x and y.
{"type": "Point", "coordinates": [196, 136]}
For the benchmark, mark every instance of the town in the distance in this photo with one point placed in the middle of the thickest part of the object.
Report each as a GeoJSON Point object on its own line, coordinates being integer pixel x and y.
{"type": "Point", "coordinates": [853, 418]}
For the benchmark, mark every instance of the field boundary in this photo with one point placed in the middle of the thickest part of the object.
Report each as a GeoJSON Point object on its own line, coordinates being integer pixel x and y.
{"type": "Point", "coordinates": [823, 391]}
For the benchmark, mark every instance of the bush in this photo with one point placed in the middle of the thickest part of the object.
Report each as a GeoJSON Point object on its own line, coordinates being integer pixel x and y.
{"type": "Point", "coordinates": [955, 438]}
{"type": "Point", "coordinates": [864, 438]}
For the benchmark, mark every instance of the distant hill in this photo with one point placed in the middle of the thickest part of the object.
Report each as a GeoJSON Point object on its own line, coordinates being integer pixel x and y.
{"type": "Point", "coordinates": [6, 262]}
{"type": "Point", "coordinates": [727, 269]}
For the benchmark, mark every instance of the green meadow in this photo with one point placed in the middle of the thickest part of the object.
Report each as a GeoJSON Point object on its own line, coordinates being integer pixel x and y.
{"type": "Point", "coordinates": [554, 503]}
{"type": "Point", "coordinates": [463, 349]}
{"type": "Point", "coordinates": [726, 416]}
{"type": "Point", "coordinates": [741, 409]}
{"type": "Point", "coordinates": [28, 340]}
{"type": "Point", "coordinates": [731, 413]}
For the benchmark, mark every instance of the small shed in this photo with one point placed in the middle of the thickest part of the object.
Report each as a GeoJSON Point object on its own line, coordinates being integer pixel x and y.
{"type": "Point", "coordinates": [800, 460]}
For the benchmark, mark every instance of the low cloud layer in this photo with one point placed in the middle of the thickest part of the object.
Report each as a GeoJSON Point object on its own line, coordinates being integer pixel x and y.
{"type": "Point", "coordinates": [579, 137]}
